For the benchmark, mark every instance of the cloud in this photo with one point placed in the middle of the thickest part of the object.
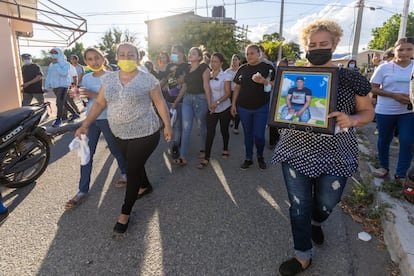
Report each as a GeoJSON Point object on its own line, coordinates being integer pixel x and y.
{"type": "Point", "coordinates": [346, 18]}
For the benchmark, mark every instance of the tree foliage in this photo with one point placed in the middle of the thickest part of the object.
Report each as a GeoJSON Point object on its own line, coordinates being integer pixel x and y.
{"type": "Point", "coordinates": [271, 44]}
{"type": "Point", "coordinates": [76, 50]}
{"type": "Point", "coordinates": [111, 38]}
{"type": "Point", "coordinates": [214, 36]}
{"type": "Point", "coordinates": [386, 35]}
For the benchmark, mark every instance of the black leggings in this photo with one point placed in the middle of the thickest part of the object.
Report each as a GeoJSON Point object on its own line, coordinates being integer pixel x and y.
{"type": "Point", "coordinates": [212, 120]}
{"type": "Point", "coordinates": [136, 153]}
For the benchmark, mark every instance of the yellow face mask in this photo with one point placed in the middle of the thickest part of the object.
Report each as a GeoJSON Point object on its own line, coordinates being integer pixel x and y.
{"type": "Point", "coordinates": [95, 70]}
{"type": "Point", "coordinates": [127, 65]}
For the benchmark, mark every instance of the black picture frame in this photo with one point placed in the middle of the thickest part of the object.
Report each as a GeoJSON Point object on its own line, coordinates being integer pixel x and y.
{"type": "Point", "coordinates": [322, 83]}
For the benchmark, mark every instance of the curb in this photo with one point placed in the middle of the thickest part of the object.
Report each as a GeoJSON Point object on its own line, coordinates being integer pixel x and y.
{"type": "Point", "coordinates": [398, 222]}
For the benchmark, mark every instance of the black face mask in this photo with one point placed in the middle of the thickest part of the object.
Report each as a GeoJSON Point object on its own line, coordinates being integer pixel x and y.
{"type": "Point", "coordinates": [319, 56]}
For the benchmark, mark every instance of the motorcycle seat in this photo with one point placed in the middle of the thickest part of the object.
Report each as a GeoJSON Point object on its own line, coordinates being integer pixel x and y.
{"type": "Point", "coordinates": [13, 117]}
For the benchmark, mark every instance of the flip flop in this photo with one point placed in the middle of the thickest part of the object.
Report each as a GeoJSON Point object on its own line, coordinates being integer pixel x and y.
{"type": "Point", "coordinates": [180, 162]}
{"type": "Point", "coordinates": [225, 154]}
{"type": "Point", "coordinates": [380, 173]}
{"type": "Point", "coordinates": [75, 201]}
{"type": "Point", "coordinates": [121, 183]}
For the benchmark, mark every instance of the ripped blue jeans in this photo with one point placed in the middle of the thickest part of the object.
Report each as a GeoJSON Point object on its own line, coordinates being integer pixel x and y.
{"type": "Point", "coordinates": [311, 201]}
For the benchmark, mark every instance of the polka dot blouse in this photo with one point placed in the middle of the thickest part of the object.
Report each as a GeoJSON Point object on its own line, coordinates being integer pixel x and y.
{"type": "Point", "coordinates": [313, 154]}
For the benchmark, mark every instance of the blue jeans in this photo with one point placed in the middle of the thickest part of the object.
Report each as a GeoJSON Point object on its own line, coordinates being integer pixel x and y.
{"type": "Point", "coordinates": [94, 132]}
{"type": "Point", "coordinates": [3, 208]}
{"type": "Point", "coordinates": [254, 126]}
{"type": "Point", "coordinates": [311, 199]}
{"type": "Point", "coordinates": [194, 107]}
{"type": "Point", "coordinates": [386, 125]}
{"type": "Point", "coordinates": [303, 119]}
{"type": "Point", "coordinates": [177, 125]}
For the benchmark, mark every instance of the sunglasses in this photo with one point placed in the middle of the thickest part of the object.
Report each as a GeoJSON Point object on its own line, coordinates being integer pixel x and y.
{"type": "Point", "coordinates": [214, 78]}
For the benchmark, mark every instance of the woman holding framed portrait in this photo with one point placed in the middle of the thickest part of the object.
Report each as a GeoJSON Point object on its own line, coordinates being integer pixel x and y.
{"type": "Point", "coordinates": [316, 169]}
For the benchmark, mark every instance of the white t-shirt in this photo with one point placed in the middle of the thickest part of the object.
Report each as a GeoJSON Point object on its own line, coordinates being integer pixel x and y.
{"type": "Point", "coordinates": [72, 73]}
{"type": "Point", "coordinates": [217, 91]}
{"type": "Point", "coordinates": [232, 74]}
{"type": "Point", "coordinates": [395, 79]}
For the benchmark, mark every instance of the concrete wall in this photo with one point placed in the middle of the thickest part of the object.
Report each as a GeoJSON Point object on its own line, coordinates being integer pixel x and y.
{"type": "Point", "coordinates": [10, 77]}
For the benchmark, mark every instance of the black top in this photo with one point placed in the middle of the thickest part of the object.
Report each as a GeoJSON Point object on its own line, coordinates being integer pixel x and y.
{"type": "Point", "coordinates": [252, 94]}
{"type": "Point", "coordinates": [172, 73]}
{"type": "Point", "coordinates": [194, 80]}
{"type": "Point", "coordinates": [29, 72]}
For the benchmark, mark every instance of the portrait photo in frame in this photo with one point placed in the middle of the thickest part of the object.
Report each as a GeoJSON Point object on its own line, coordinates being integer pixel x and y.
{"type": "Point", "coordinates": [303, 97]}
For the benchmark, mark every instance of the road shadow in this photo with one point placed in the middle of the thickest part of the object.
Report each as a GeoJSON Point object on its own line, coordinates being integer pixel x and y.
{"type": "Point", "coordinates": [15, 196]}
{"type": "Point", "coordinates": [214, 221]}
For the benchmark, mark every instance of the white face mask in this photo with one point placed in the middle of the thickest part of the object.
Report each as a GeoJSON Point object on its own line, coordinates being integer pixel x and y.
{"type": "Point", "coordinates": [27, 61]}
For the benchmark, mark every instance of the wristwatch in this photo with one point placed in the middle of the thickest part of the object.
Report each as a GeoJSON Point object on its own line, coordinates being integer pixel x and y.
{"type": "Point", "coordinates": [218, 102]}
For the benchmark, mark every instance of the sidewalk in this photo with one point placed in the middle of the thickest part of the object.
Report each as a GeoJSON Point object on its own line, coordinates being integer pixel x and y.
{"type": "Point", "coordinates": [398, 224]}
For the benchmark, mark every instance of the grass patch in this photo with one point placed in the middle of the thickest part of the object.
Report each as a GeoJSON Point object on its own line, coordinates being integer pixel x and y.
{"type": "Point", "coordinates": [377, 211]}
{"type": "Point", "coordinates": [360, 206]}
{"type": "Point", "coordinates": [392, 188]}
{"type": "Point", "coordinates": [362, 193]}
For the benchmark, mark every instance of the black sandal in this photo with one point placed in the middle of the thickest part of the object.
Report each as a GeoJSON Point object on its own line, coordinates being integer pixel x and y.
{"type": "Point", "coordinates": [292, 267]}
{"type": "Point", "coordinates": [147, 190]}
{"type": "Point", "coordinates": [203, 164]}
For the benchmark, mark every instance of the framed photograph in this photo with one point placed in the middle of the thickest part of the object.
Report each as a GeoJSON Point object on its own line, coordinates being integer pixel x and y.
{"type": "Point", "coordinates": [303, 97]}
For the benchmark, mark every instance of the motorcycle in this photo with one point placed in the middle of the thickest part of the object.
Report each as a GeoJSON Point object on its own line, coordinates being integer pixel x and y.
{"type": "Point", "coordinates": [24, 145]}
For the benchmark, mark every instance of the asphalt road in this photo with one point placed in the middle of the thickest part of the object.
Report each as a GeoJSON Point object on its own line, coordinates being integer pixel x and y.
{"type": "Point", "coordinates": [216, 221]}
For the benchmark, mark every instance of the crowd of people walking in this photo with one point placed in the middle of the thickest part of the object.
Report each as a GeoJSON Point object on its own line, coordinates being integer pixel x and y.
{"type": "Point", "coordinates": [133, 106]}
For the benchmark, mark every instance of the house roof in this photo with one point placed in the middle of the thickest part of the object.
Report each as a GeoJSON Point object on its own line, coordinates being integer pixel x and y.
{"type": "Point", "coordinates": [192, 15]}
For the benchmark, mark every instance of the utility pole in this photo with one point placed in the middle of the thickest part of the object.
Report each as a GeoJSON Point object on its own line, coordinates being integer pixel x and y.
{"type": "Point", "coordinates": [235, 5]}
{"type": "Point", "coordinates": [207, 7]}
{"type": "Point", "coordinates": [404, 18]}
{"type": "Point", "coordinates": [357, 34]}
{"type": "Point", "coordinates": [279, 53]}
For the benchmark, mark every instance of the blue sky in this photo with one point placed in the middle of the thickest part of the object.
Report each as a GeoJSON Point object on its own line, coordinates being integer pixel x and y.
{"type": "Point", "coordinates": [261, 17]}
{"type": "Point", "coordinates": [317, 83]}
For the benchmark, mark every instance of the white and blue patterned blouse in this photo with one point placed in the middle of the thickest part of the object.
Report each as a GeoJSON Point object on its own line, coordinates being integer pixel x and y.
{"type": "Point", "coordinates": [130, 111]}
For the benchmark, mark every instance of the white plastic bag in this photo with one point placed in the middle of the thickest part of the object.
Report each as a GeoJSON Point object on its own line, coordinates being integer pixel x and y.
{"type": "Point", "coordinates": [82, 147]}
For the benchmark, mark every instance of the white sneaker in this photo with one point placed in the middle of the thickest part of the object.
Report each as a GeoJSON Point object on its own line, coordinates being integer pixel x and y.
{"type": "Point", "coordinates": [289, 116]}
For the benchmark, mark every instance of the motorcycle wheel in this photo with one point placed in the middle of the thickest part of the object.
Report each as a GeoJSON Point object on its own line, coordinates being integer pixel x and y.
{"type": "Point", "coordinates": [39, 149]}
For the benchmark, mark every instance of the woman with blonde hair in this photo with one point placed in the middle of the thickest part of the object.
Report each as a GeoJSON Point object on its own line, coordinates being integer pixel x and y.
{"type": "Point", "coordinates": [316, 169]}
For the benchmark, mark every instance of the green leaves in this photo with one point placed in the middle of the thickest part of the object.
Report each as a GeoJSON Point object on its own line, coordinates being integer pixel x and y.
{"type": "Point", "coordinates": [387, 35]}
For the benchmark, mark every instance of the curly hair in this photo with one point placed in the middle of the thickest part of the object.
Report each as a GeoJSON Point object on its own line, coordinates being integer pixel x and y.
{"type": "Point", "coordinates": [322, 25]}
